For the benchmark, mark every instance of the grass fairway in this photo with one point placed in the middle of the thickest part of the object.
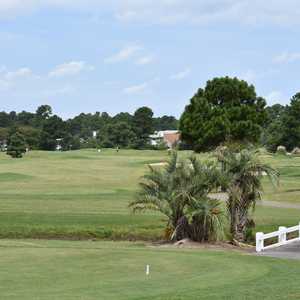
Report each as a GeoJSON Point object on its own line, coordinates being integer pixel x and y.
{"type": "Point", "coordinates": [113, 270]}
{"type": "Point", "coordinates": [289, 189]}
{"type": "Point", "coordinates": [85, 194]}
{"type": "Point", "coordinates": [74, 194]}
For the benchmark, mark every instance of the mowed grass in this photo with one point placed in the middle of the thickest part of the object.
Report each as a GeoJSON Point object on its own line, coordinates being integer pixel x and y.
{"type": "Point", "coordinates": [85, 194]}
{"type": "Point", "coordinates": [289, 188]}
{"type": "Point", "coordinates": [53, 270]}
{"type": "Point", "coordinates": [78, 194]}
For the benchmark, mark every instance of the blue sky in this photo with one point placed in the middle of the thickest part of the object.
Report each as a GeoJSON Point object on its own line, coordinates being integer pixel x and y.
{"type": "Point", "coordinates": [118, 55]}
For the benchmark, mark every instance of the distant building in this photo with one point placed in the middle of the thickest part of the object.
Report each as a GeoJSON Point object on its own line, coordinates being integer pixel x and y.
{"type": "Point", "coordinates": [170, 137]}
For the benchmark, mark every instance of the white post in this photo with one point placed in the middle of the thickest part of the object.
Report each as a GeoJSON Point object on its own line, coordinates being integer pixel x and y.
{"type": "Point", "coordinates": [259, 241]}
{"type": "Point", "coordinates": [147, 270]}
{"type": "Point", "coordinates": [282, 235]}
{"type": "Point", "coordinates": [299, 230]}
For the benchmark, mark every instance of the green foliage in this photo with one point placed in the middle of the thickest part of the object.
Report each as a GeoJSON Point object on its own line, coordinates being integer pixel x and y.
{"type": "Point", "coordinates": [165, 123]}
{"type": "Point", "coordinates": [291, 124]}
{"type": "Point", "coordinates": [117, 134]}
{"type": "Point", "coordinates": [244, 173]}
{"type": "Point", "coordinates": [206, 219]}
{"type": "Point", "coordinates": [226, 109]}
{"type": "Point", "coordinates": [41, 129]}
{"type": "Point", "coordinates": [44, 112]}
{"type": "Point", "coordinates": [70, 142]}
{"type": "Point", "coordinates": [53, 129]}
{"type": "Point", "coordinates": [283, 126]}
{"type": "Point", "coordinates": [31, 136]}
{"type": "Point", "coordinates": [143, 126]}
{"type": "Point", "coordinates": [180, 192]}
{"type": "Point", "coordinates": [16, 145]}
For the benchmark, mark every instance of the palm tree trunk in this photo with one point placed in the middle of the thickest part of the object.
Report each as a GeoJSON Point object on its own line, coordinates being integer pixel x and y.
{"type": "Point", "coordinates": [241, 228]}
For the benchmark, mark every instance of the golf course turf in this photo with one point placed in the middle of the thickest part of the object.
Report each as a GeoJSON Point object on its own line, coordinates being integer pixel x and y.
{"type": "Point", "coordinates": [84, 196]}
{"type": "Point", "coordinates": [32, 269]}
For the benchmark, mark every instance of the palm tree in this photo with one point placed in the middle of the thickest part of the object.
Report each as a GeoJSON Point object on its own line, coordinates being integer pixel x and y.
{"type": "Point", "coordinates": [180, 192]}
{"type": "Point", "coordinates": [206, 220]}
{"type": "Point", "coordinates": [158, 192]}
{"type": "Point", "coordinates": [244, 172]}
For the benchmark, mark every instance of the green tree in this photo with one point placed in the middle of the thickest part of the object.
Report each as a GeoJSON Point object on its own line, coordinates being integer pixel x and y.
{"type": "Point", "coordinates": [244, 172]}
{"type": "Point", "coordinates": [274, 127]}
{"type": "Point", "coordinates": [31, 136]}
{"type": "Point", "coordinates": [291, 124]}
{"type": "Point", "coordinates": [143, 126]}
{"type": "Point", "coordinates": [227, 109]}
{"type": "Point", "coordinates": [70, 142]}
{"type": "Point", "coordinates": [117, 134]}
{"type": "Point", "coordinates": [180, 192]}
{"type": "Point", "coordinates": [53, 128]}
{"type": "Point", "coordinates": [4, 134]}
{"type": "Point", "coordinates": [16, 146]}
{"type": "Point", "coordinates": [44, 112]}
{"type": "Point", "coordinates": [165, 123]}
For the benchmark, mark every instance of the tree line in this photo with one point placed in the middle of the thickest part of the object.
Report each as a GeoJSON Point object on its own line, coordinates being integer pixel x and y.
{"type": "Point", "coordinates": [225, 111]}
{"type": "Point", "coordinates": [43, 130]}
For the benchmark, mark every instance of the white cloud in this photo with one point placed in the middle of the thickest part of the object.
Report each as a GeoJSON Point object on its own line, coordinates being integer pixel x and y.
{"type": "Point", "coordinates": [140, 88]}
{"type": "Point", "coordinates": [20, 73]}
{"type": "Point", "coordinates": [66, 90]}
{"type": "Point", "coordinates": [8, 79]}
{"type": "Point", "coordinates": [136, 89]}
{"type": "Point", "coordinates": [287, 57]}
{"type": "Point", "coordinates": [124, 54]}
{"type": "Point", "coordinates": [181, 75]}
{"type": "Point", "coordinates": [171, 11]}
{"type": "Point", "coordinates": [70, 69]}
{"type": "Point", "coordinates": [145, 60]}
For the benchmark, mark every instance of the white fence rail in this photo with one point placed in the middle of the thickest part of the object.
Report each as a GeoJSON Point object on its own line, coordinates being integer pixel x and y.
{"type": "Point", "coordinates": [281, 235]}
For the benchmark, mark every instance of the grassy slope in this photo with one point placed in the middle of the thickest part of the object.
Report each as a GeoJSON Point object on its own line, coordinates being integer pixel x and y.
{"type": "Point", "coordinates": [86, 194]}
{"type": "Point", "coordinates": [106, 270]}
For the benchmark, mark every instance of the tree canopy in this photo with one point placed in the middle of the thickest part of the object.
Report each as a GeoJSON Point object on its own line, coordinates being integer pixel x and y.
{"type": "Point", "coordinates": [16, 145]}
{"type": "Point", "coordinates": [227, 109]}
{"type": "Point", "coordinates": [42, 129]}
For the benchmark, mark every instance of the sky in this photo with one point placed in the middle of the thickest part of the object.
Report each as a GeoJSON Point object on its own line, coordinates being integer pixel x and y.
{"type": "Point", "coordinates": [118, 55]}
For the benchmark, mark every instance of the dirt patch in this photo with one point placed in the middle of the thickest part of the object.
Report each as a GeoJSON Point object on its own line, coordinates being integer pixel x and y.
{"type": "Point", "coordinates": [188, 244]}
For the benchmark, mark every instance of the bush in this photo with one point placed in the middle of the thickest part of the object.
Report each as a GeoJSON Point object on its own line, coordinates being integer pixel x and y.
{"type": "Point", "coordinates": [16, 145]}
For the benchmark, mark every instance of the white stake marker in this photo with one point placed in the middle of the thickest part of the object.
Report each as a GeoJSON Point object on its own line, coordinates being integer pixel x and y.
{"type": "Point", "coordinates": [147, 270]}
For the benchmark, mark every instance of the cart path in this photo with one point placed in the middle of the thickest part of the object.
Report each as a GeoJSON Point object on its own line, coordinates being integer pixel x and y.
{"type": "Point", "coordinates": [223, 197]}
{"type": "Point", "coordinates": [291, 251]}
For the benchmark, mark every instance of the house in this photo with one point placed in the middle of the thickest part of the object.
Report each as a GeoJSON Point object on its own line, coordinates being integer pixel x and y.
{"type": "Point", "coordinates": [169, 137]}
